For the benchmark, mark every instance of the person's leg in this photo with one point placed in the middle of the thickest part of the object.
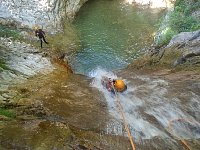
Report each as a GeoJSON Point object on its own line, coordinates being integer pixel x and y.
{"type": "Point", "coordinates": [45, 40]}
{"type": "Point", "coordinates": [41, 42]}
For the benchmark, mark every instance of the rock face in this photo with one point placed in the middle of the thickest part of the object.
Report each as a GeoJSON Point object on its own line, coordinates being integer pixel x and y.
{"type": "Point", "coordinates": [23, 61]}
{"type": "Point", "coordinates": [45, 13]}
{"type": "Point", "coordinates": [189, 45]}
{"type": "Point", "coordinates": [22, 58]}
{"type": "Point", "coordinates": [185, 37]}
{"type": "Point", "coordinates": [153, 3]}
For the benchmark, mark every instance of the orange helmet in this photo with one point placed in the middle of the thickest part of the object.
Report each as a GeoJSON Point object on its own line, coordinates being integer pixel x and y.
{"type": "Point", "coordinates": [119, 85]}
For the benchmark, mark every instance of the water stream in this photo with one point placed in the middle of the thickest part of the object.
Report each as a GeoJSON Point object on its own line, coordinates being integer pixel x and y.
{"type": "Point", "coordinates": [112, 34]}
{"type": "Point", "coordinates": [74, 110]}
{"type": "Point", "coordinates": [152, 107]}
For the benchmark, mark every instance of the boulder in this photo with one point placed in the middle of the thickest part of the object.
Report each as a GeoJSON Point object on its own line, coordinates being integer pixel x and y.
{"type": "Point", "coordinates": [185, 37]}
{"type": "Point", "coordinates": [188, 43]}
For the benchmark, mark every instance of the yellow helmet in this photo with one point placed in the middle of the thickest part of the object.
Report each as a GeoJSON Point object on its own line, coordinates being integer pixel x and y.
{"type": "Point", "coordinates": [119, 85]}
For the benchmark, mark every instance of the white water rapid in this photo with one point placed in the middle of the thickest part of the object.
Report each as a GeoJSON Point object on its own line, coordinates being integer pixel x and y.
{"type": "Point", "coordinates": [150, 109]}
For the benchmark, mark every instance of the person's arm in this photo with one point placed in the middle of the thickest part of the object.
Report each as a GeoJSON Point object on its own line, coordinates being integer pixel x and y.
{"type": "Point", "coordinates": [43, 32]}
{"type": "Point", "coordinates": [36, 33]}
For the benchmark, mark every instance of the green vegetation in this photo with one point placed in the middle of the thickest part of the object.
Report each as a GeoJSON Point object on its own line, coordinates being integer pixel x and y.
{"type": "Point", "coordinates": [6, 31]}
{"type": "Point", "coordinates": [3, 65]}
{"type": "Point", "coordinates": [7, 113]}
{"type": "Point", "coordinates": [180, 20]}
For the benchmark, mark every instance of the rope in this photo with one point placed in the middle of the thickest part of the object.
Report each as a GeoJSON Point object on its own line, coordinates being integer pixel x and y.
{"type": "Point", "coordinates": [182, 140]}
{"type": "Point", "coordinates": [128, 130]}
{"type": "Point", "coordinates": [124, 120]}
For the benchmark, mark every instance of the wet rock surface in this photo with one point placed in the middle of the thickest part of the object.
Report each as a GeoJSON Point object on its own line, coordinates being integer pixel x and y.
{"type": "Point", "coordinates": [60, 111]}
{"type": "Point", "coordinates": [23, 58]}
{"type": "Point", "coordinates": [41, 134]}
{"type": "Point", "coordinates": [22, 61]}
{"type": "Point", "coordinates": [176, 87]}
{"type": "Point", "coordinates": [45, 13]}
{"type": "Point", "coordinates": [55, 110]}
{"type": "Point", "coordinates": [65, 98]}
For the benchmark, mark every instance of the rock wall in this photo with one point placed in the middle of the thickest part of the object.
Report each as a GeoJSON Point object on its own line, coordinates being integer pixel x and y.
{"type": "Point", "coordinates": [23, 61]}
{"type": "Point", "coordinates": [44, 13]}
{"type": "Point", "coordinates": [153, 3]}
{"type": "Point", "coordinates": [188, 43]}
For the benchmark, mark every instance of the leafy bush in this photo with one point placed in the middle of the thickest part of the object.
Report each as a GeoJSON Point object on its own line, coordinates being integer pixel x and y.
{"type": "Point", "coordinates": [180, 20]}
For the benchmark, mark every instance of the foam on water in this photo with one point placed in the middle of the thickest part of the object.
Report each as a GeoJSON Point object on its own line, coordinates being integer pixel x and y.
{"type": "Point", "coordinates": [139, 111]}
{"type": "Point", "coordinates": [130, 104]}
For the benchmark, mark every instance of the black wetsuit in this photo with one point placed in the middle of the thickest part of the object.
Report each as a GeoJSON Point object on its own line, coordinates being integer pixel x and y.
{"type": "Point", "coordinates": [41, 34]}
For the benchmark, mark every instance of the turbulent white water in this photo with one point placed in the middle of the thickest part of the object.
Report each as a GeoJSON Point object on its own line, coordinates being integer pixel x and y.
{"type": "Point", "coordinates": [149, 110]}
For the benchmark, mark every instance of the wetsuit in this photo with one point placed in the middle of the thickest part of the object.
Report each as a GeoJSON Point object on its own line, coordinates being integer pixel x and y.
{"type": "Point", "coordinates": [109, 86]}
{"type": "Point", "coordinates": [41, 34]}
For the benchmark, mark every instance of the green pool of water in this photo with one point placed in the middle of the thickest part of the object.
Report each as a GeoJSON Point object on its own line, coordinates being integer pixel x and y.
{"type": "Point", "coordinates": [112, 34]}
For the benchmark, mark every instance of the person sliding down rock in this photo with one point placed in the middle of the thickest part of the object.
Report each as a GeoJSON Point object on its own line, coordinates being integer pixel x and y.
{"type": "Point", "coordinates": [115, 85]}
{"type": "Point", "coordinates": [41, 34]}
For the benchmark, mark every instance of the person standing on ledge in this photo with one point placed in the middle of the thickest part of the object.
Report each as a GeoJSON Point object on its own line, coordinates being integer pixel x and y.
{"type": "Point", "coordinates": [41, 34]}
